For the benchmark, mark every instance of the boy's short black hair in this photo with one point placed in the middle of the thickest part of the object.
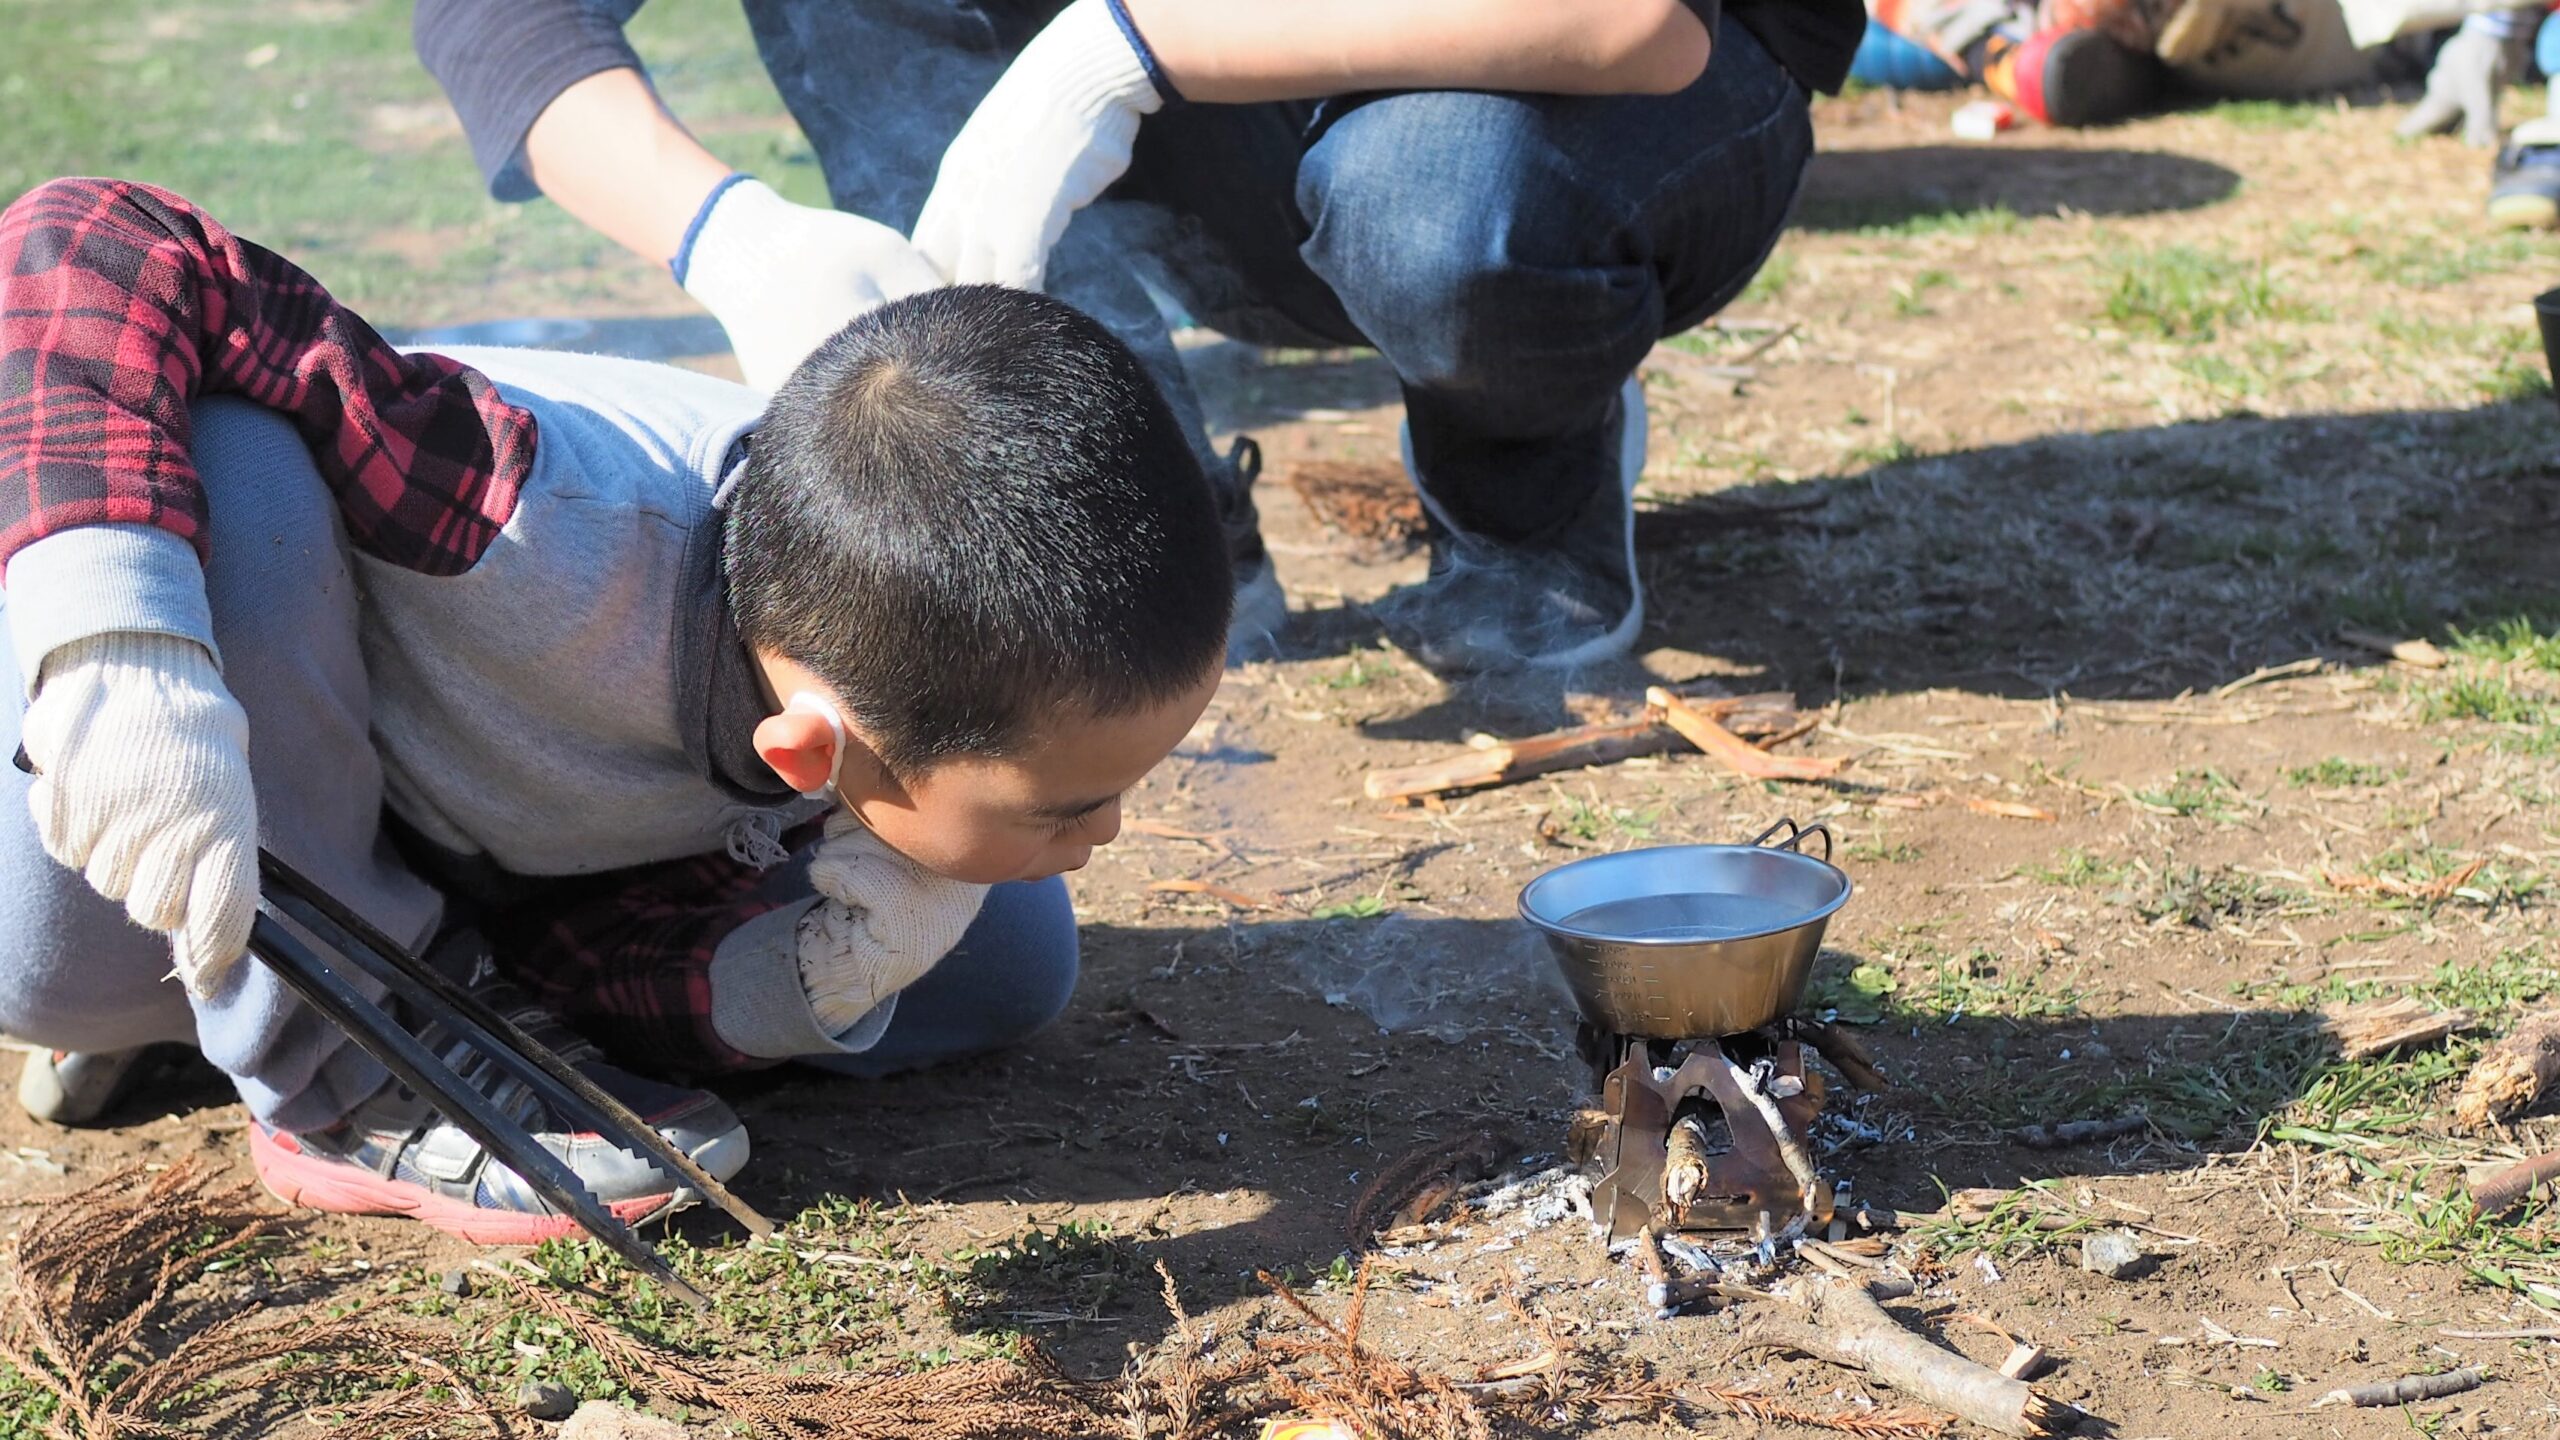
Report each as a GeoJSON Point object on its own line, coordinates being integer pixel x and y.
{"type": "Point", "coordinates": [972, 509]}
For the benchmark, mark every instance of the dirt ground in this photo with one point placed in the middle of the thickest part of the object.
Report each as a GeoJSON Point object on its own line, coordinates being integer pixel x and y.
{"type": "Point", "coordinates": [2070, 460]}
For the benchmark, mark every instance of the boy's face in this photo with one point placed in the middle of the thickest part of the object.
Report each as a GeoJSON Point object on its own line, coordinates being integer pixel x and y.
{"type": "Point", "coordinates": [984, 819]}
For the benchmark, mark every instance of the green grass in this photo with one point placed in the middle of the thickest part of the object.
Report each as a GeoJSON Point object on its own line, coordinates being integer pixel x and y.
{"type": "Point", "coordinates": [1776, 274]}
{"type": "Point", "coordinates": [2429, 262]}
{"type": "Point", "coordinates": [1365, 668]}
{"type": "Point", "coordinates": [2079, 870]}
{"type": "Point", "coordinates": [1897, 852]}
{"type": "Point", "coordinates": [341, 153]}
{"type": "Point", "coordinates": [2200, 795]}
{"type": "Point", "coordinates": [2192, 896]}
{"type": "Point", "coordinates": [2513, 640]}
{"type": "Point", "coordinates": [2269, 114]}
{"type": "Point", "coordinates": [2338, 773]}
{"type": "Point", "coordinates": [1593, 821]}
{"type": "Point", "coordinates": [2181, 293]}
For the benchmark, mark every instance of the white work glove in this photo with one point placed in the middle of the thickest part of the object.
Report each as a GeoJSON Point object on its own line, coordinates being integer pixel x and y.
{"type": "Point", "coordinates": [882, 921]}
{"type": "Point", "coordinates": [1045, 142]}
{"type": "Point", "coordinates": [2463, 86]}
{"type": "Point", "coordinates": [781, 278]}
{"type": "Point", "coordinates": [142, 785]}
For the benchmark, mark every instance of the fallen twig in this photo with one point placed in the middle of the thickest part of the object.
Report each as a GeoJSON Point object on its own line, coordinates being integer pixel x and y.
{"type": "Point", "coordinates": [2509, 1186]}
{"type": "Point", "coordinates": [1504, 762]}
{"type": "Point", "coordinates": [1237, 898]}
{"type": "Point", "coordinates": [1738, 754]}
{"type": "Point", "coordinates": [1848, 1327]}
{"type": "Point", "coordinates": [2420, 653]}
{"type": "Point", "coordinates": [2510, 1076]}
{"type": "Point", "coordinates": [2407, 1390]}
{"type": "Point", "coordinates": [2005, 809]}
{"type": "Point", "coordinates": [2402, 1023]}
{"type": "Point", "coordinates": [1843, 1050]}
{"type": "Point", "coordinates": [2432, 892]}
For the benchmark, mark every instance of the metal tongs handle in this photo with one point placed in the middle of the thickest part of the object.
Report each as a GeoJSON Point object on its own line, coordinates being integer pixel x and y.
{"type": "Point", "coordinates": [287, 893]}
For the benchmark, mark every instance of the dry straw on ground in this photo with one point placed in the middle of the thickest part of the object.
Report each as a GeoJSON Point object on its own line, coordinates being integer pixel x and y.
{"type": "Point", "coordinates": [104, 1307]}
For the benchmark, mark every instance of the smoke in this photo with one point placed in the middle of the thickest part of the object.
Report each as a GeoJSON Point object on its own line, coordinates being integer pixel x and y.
{"type": "Point", "coordinates": [1448, 979]}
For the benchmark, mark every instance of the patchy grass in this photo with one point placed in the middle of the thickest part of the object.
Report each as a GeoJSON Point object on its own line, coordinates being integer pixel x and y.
{"type": "Point", "coordinates": [2199, 795]}
{"type": "Point", "coordinates": [2338, 773]}
{"type": "Point", "coordinates": [2178, 292]}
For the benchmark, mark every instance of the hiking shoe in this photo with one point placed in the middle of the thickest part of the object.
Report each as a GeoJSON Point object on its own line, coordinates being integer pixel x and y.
{"type": "Point", "coordinates": [1260, 607]}
{"type": "Point", "coordinates": [2524, 188]}
{"type": "Point", "coordinates": [1566, 599]}
{"type": "Point", "coordinates": [397, 1155]}
{"type": "Point", "coordinates": [2082, 77]}
{"type": "Point", "coordinates": [75, 1087]}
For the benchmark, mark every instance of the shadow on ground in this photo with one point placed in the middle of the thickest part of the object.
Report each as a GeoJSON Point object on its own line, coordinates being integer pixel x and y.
{"type": "Point", "coordinates": [1206, 1062]}
{"type": "Point", "coordinates": [2124, 564]}
{"type": "Point", "coordinates": [1863, 189]}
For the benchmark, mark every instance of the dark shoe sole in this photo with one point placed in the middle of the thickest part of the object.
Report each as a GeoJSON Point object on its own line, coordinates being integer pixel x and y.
{"type": "Point", "coordinates": [2080, 77]}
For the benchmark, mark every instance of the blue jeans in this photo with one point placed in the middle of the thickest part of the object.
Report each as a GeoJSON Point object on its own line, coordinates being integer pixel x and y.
{"type": "Point", "coordinates": [1512, 257]}
{"type": "Point", "coordinates": [75, 974]}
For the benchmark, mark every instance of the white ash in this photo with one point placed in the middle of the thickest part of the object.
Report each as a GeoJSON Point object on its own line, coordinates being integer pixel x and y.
{"type": "Point", "coordinates": [1538, 1199]}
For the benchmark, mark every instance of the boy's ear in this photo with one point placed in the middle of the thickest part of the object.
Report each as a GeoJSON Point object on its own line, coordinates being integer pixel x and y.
{"type": "Point", "coordinates": [801, 747]}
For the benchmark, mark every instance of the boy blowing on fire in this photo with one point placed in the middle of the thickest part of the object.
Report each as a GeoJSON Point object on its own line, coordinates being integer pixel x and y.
{"type": "Point", "coordinates": [712, 732]}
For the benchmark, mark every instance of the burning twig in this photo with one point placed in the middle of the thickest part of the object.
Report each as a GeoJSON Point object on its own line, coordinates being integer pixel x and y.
{"type": "Point", "coordinates": [2510, 1076]}
{"type": "Point", "coordinates": [1848, 1327]}
{"type": "Point", "coordinates": [1739, 755]}
{"type": "Point", "coordinates": [2407, 1390]}
{"type": "Point", "coordinates": [2509, 1186]}
{"type": "Point", "coordinates": [1845, 1051]}
{"type": "Point", "coordinates": [1685, 1163]}
{"type": "Point", "coordinates": [1791, 1149]}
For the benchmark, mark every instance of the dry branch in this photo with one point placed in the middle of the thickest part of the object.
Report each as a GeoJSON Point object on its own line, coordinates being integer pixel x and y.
{"type": "Point", "coordinates": [1504, 762]}
{"type": "Point", "coordinates": [2509, 1186]}
{"type": "Point", "coordinates": [2407, 1390]}
{"type": "Point", "coordinates": [1685, 1162]}
{"type": "Point", "coordinates": [1896, 1424]}
{"type": "Point", "coordinates": [1848, 1327]}
{"type": "Point", "coordinates": [2420, 653]}
{"type": "Point", "coordinates": [1739, 755]}
{"type": "Point", "coordinates": [2510, 1076]}
{"type": "Point", "coordinates": [2431, 892]}
{"type": "Point", "coordinates": [2378, 1027]}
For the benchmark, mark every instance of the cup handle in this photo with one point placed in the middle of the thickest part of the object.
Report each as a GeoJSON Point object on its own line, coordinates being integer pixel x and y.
{"type": "Point", "coordinates": [1796, 835]}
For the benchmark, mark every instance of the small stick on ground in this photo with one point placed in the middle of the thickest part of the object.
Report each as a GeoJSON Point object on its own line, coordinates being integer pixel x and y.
{"type": "Point", "coordinates": [2407, 1390]}
{"type": "Point", "coordinates": [1739, 755]}
{"type": "Point", "coordinates": [1505, 762]}
{"type": "Point", "coordinates": [2509, 1186]}
{"type": "Point", "coordinates": [2511, 1076]}
{"type": "Point", "coordinates": [2081, 1132]}
{"type": "Point", "coordinates": [1849, 1328]}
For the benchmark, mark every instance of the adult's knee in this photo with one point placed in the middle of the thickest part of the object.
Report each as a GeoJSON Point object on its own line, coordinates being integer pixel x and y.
{"type": "Point", "coordinates": [1463, 235]}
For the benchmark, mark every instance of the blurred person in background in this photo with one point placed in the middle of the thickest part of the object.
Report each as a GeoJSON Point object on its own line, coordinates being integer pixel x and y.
{"type": "Point", "coordinates": [1511, 200]}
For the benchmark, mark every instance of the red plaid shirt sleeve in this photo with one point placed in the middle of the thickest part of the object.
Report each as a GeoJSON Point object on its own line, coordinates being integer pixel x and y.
{"type": "Point", "coordinates": [120, 303]}
{"type": "Point", "coordinates": [625, 957]}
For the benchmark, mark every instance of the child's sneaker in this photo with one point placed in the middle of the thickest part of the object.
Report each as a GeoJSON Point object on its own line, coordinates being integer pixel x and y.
{"type": "Point", "coordinates": [397, 1155]}
{"type": "Point", "coordinates": [2524, 187]}
{"type": "Point", "coordinates": [75, 1087]}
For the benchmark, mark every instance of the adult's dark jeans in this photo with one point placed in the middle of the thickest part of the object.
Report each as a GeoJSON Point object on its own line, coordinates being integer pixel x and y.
{"type": "Point", "coordinates": [1512, 257]}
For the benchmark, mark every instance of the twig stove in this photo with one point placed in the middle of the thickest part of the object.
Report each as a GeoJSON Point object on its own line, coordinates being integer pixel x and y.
{"type": "Point", "coordinates": [1685, 961]}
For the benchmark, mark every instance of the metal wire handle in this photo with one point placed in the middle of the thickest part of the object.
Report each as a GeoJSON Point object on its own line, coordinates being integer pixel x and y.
{"type": "Point", "coordinates": [1795, 836]}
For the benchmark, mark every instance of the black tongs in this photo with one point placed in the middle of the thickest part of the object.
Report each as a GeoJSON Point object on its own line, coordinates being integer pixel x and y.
{"type": "Point", "coordinates": [288, 902]}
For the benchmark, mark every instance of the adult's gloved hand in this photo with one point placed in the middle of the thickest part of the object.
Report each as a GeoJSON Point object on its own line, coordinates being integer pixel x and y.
{"type": "Point", "coordinates": [142, 785]}
{"type": "Point", "coordinates": [2463, 86]}
{"type": "Point", "coordinates": [781, 278]}
{"type": "Point", "coordinates": [882, 923]}
{"type": "Point", "coordinates": [1045, 142]}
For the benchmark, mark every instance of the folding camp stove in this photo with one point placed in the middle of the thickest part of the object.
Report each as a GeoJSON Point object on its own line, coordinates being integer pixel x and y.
{"type": "Point", "coordinates": [1707, 1134]}
{"type": "Point", "coordinates": [1685, 961]}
